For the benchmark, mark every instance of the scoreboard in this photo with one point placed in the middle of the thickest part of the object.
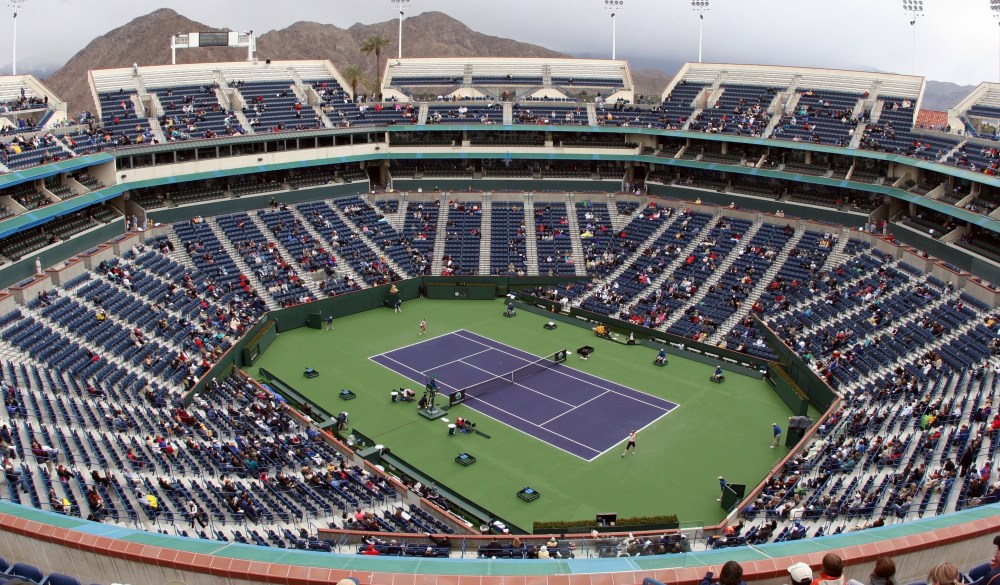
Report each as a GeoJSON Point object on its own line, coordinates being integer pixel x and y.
{"type": "Point", "coordinates": [194, 40]}
{"type": "Point", "coordinates": [213, 39]}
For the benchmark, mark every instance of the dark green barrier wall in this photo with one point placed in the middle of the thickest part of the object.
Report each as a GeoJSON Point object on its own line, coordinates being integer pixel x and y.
{"type": "Point", "coordinates": [294, 317]}
{"type": "Point", "coordinates": [766, 205]}
{"type": "Point", "coordinates": [339, 306]}
{"type": "Point", "coordinates": [787, 390]}
{"type": "Point", "coordinates": [25, 267]}
{"type": "Point", "coordinates": [819, 393]}
{"type": "Point", "coordinates": [948, 253]}
{"type": "Point", "coordinates": [472, 291]}
{"type": "Point", "coordinates": [258, 344]}
{"type": "Point", "coordinates": [250, 202]}
{"type": "Point", "coordinates": [455, 185]}
{"type": "Point", "coordinates": [623, 326]}
{"type": "Point", "coordinates": [230, 359]}
{"type": "Point", "coordinates": [487, 287]}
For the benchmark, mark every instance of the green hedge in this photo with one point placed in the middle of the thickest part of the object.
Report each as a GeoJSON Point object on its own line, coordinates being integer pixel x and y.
{"type": "Point", "coordinates": [637, 522]}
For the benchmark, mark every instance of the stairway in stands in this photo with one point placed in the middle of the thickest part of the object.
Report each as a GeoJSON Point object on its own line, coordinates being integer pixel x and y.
{"type": "Point", "coordinates": [530, 243]}
{"type": "Point", "coordinates": [579, 263]}
{"type": "Point", "coordinates": [486, 234]}
{"type": "Point", "coordinates": [343, 266]}
{"type": "Point", "coordinates": [759, 287]}
{"type": "Point", "coordinates": [246, 269]}
{"type": "Point", "coordinates": [717, 274]}
{"type": "Point", "coordinates": [437, 262]}
{"type": "Point", "coordinates": [668, 271]}
{"type": "Point", "coordinates": [629, 260]}
{"type": "Point", "coordinates": [308, 280]}
{"type": "Point", "coordinates": [368, 241]}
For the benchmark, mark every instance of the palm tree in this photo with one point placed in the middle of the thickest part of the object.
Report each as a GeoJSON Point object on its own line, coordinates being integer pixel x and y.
{"type": "Point", "coordinates": [352, 75]}
{"type": "Point", "coordinates": [375, 45]}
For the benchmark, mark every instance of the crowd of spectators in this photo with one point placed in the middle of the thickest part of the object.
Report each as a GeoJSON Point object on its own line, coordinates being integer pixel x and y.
{"type": "Point", "coordinates": [20, 145]}
{"type": "Point", "coordinates": [24, 102]}
{"type": "Point", "coordinates": [834, 571]}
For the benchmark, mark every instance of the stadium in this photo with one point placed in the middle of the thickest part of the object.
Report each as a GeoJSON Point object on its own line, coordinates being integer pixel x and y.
{"type": "Point", "coordinates": [257, 326]}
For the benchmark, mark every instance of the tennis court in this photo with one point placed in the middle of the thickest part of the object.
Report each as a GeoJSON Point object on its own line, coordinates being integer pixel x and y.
{"type": "Point", "coordinates": [571, 410]}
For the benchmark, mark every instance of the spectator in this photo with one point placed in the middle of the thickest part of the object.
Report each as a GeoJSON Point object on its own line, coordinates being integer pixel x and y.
{"type": "Point", "coordinates": [883, 573]}
{"type": "Point", "coordinates": [992, 577]}
{"type": "Point", "coordinates": [832, 571]}
{"type": "Point", "coordinates": [800, 573]}
{"type": "Point", "coordinates": [731, 574]}
{"type": "Point", "coordinates": [943, 574]}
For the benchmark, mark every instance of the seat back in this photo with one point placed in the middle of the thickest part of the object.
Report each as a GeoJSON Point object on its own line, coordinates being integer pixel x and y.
{"type": "Point", "coordinates": [60, 579]}
{"type": "Point", "coordinates": [26, 571]}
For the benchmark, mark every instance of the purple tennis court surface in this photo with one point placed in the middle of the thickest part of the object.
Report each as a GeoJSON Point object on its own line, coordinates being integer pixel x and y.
{"type": "Point", "coordinates": [569, 409]}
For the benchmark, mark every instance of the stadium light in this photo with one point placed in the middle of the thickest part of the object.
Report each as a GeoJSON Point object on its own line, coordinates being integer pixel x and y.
{"type": "Point", "coordinates": [914, 9]}
{"type": "Point", "coordinates": [615, 6]}
{"type": "Point", "coordinates": [995, 7]}
{"type": "Point", "coordinates": [700, 7]}
{"type": "Point", "coordinates": [402, 6]}
{"type": "Point", "coordinates": [15, 6]}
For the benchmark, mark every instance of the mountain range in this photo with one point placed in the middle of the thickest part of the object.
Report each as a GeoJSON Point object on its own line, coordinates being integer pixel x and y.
{"type": "Point", "coordinates": [430, 34]}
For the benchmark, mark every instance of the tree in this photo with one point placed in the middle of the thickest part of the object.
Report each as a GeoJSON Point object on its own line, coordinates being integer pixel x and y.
{"type": "Point", "coordinates": [352, 75]}
{"type": "Point", "coordinates": [375, 45]}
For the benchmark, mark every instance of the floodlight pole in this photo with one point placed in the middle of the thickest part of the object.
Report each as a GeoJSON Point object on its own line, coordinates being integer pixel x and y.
{"type": "Point", "coordinates": [701, 32]}
{"type": "Point", "coordinates": [996, 15]}
{"type": "Point", "coordinates": [13, 50]}
{"type": "Point", "coordinates": [15, 6]}
{"type": "Point", "coordinates": [613, 36]}
{"type": "Point", "coordinates": [402, 5]}
{"type": "Point", "coordinates": [915, 9]}
{"type": "Point", "coordinates": [700, 7]}
{"type": "Point", "coordinates": [615, 6]}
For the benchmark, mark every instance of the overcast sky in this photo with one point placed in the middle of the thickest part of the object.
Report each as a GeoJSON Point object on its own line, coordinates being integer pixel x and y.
{"type": "Point", "coordinates": [957, 40]}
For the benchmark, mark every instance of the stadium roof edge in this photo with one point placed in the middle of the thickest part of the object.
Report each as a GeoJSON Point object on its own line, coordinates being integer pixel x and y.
{"type": "Point", "coordinates": [803, 70]}
{"type": "Point", "coordinates": [980, 517]}
{"type": "Point", "coordinates": [212, 66]}
{"type": "Point", "coordinates": [56, 168]}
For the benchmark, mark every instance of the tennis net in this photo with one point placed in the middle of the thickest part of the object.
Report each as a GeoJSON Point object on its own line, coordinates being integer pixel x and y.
{"type": "Point", "coordinates": [480, 389]}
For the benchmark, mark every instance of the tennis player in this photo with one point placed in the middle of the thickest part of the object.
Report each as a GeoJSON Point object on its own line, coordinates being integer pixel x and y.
{"type": "Point", "coordinates": [631, 442]}
{"type": "Point", "coordinates": [423, 326]}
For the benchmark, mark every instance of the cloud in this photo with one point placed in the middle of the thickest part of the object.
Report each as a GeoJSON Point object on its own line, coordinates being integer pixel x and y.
{"type": "Point", "coordinates": [838, 34]}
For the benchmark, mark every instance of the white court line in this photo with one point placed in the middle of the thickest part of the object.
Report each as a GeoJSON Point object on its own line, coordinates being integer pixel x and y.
{"type": "Point", "coordinates": [424, 373]}
{"type": "Point", "coordinates": [455, 361]}
{"type": "Point", "coordinates": [408, 368]}
{"type": "Point", "coordinates": [564, 373]}
{"type": "Point", "coordinates": [639, 430]}
{"type": "Point", "coordinates": [585, 446]}
{"type": "Point", "coordinates": [516, 383]}
{"type": "Point", "coordinates": [536, 437]}
{"type": "Point", "coordinates": [459, 332]}
{"type": "Point", "coordinates": [418, 343]}
{"type": "Point", "coordinates": [575, 407]}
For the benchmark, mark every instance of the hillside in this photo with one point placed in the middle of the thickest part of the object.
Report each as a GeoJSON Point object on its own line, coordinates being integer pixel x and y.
{"type": "Point", "coordinates": [941, 95]}
{"type": "Point", "coordinates": [431, 34]}
{"type": "Point", "coordinates": [145, 41]}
